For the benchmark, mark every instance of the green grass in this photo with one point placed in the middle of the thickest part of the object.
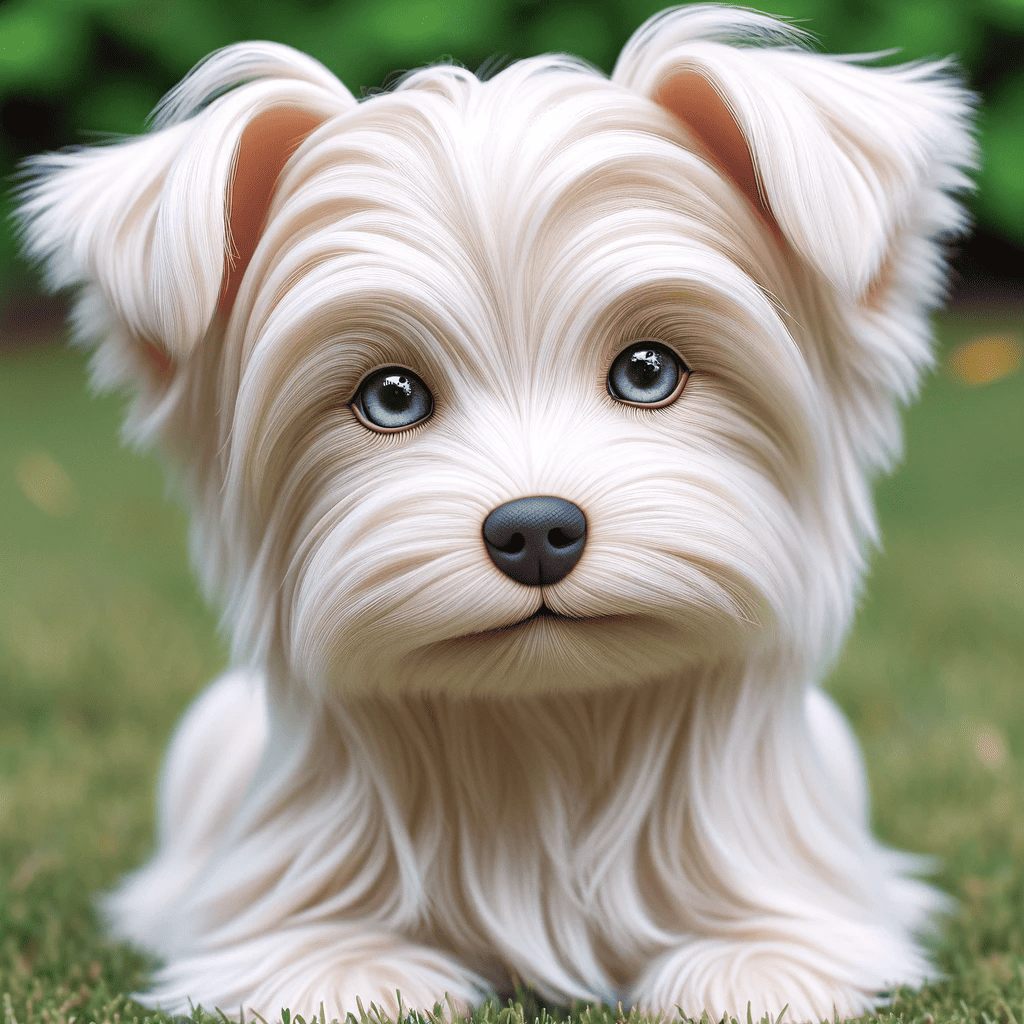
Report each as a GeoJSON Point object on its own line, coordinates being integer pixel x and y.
{"type": "Point", "coordinates": [103, 641]}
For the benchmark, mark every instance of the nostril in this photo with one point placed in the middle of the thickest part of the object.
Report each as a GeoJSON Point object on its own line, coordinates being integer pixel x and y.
{"type": "Point", "coordinates": [515, 544]}
{"type": "Point", "coordinates": [558, 538]}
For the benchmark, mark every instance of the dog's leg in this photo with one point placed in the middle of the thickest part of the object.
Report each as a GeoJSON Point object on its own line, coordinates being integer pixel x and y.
{"type": "Point", "coordinates": [208, 767]}
{"type": "Point", "coordinates": [244, 804]}
{"type": "Point", "coordinates": [786, 900]}
{"type": "Point", "coordinates": [778, 965]}
{"type": "Point", "coordinates": [332, 963]}
{"type": "Point", "coordinates": [814, 960]}
{"type": "Point", "coordinates": [917, 904]}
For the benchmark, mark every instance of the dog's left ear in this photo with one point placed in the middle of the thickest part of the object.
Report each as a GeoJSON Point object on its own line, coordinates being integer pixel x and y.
{"type": "Point", "coordinates": [839, 158]}
{"type": "Point", "coordinates": [160, 228]}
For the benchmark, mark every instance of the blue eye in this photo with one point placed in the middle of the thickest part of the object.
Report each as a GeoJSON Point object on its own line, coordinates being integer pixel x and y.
{"type": "Point", "coordinates": [392, 399]}
{"type": "Point", "coordinates": [647, 373]}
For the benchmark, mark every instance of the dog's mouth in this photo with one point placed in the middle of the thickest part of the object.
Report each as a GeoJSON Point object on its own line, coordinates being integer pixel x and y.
{"type": "Point", "coordinates": [543, 612]}
{"type": "Point", "coordinates": [546, 620]}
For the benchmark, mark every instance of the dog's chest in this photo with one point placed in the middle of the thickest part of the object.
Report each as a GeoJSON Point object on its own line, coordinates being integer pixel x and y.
{"type": "Point", "coordinates": [524, 828]}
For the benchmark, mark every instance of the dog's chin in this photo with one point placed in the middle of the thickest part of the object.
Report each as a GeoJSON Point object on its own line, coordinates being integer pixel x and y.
{"type": "Point", "coordinates": [549, 652]}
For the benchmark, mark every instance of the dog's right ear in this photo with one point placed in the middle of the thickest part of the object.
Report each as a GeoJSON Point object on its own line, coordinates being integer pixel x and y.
{"type": "Point", "coordinates": [840, 158]}
{"type": "Point", "coordinates": [160, 228]}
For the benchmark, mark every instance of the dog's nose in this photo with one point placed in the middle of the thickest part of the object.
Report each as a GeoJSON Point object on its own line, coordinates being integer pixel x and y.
{"type": "Point", "coordinates": [536, 541]}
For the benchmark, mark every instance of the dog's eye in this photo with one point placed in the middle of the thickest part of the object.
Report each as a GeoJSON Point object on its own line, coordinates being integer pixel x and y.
{"type": "Point", "coordinates": [647, 373]}
{"type": "Point", "coordinates": [392, 399]}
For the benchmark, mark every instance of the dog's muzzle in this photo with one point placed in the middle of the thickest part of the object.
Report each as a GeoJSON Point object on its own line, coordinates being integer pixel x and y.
{"type": "Point", "coordinates": [536, 541]}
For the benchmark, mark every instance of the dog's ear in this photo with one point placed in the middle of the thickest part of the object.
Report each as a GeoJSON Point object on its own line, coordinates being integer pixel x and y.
{"type": "Point", "coordinates": [160, 228]}
{"type": "Point", "coordinates": [837, 157]}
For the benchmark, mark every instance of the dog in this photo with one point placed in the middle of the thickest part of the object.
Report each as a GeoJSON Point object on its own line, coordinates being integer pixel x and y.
{"type": "Point", "coordinates": [528, 429]}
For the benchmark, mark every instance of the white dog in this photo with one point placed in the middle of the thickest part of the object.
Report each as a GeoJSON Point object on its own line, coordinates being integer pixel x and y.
{"type": "Point", "coordinates": [528, 429]}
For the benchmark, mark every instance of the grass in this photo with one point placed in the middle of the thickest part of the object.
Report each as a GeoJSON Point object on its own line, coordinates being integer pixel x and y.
{"type": "Point", "coordinates": [103, 640]}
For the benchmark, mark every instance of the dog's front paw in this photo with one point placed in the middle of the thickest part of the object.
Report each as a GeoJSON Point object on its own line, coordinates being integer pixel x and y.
{"type": "Point", "coordinates": [300, 969]}
{"type": "Point", "coordinates": [724, 976]}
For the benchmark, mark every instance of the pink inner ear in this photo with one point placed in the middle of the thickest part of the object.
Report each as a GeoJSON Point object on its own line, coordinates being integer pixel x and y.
{"type": "Point", "coordinates": [696, 103]}
{"type": "Point", "coordinates": [265, 147]}
{"type": "Point", "coordinates": [159, 361]}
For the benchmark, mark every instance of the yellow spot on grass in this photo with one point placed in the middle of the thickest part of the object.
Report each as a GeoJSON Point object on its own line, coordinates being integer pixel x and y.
{"type": "Point", "coordinates": [975, 887]}
{"type": "Point", "coordinates": [990, 749]}
{"type": "Point", "coordinates": [985, 360]}
{"type": "Point", "coordinates": [46, 485]}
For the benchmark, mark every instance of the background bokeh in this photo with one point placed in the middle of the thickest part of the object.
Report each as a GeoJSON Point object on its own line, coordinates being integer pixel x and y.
{"type": "Point", "coordinates": [74, 69]}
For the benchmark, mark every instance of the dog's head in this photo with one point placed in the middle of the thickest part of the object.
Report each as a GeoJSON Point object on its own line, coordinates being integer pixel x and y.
{"type": "Point", "coordinates": [544, 382]}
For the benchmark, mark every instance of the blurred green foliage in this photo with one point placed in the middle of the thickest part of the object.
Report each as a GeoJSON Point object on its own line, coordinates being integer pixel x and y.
{"type": "Point", "coordinates": [73, 68]}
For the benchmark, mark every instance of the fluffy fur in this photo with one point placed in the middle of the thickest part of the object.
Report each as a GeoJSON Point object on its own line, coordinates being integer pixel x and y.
{"type": "Point", "coordinates": [407, 782]}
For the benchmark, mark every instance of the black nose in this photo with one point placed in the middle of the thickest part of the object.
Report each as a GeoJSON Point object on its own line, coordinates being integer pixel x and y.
{"type": "Point", "coordinates": [536, 541]}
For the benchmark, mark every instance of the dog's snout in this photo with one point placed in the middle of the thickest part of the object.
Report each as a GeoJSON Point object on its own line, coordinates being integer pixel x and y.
{"type": "Point", "coordinates": [536, 541]}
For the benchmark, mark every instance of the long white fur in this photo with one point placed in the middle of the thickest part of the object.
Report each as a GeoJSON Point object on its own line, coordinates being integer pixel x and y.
{"type": "Point", "coordinates": [398, 788]}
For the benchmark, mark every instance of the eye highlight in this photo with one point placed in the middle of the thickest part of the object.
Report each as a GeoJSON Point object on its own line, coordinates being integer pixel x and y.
{"type": "Point", "coordinates": [647, 373]}
{"type": "Point", "coordinates": [392, 399]}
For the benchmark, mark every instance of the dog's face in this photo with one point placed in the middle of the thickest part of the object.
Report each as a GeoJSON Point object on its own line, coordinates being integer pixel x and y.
{"type": "Point", "coordinates": [463, 294]}
{"type": "Point", "coordinates": [504, 268]}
